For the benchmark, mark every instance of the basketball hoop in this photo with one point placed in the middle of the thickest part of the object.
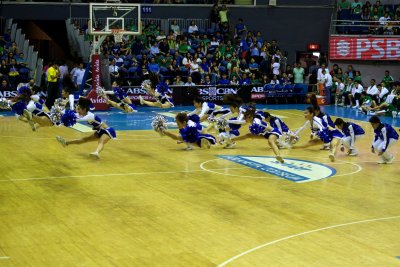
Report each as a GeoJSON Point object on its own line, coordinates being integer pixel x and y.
{"type": "Point", "coordinates": [118, 34]}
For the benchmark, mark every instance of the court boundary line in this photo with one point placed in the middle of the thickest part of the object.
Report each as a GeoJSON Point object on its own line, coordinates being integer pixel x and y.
{"type": "Point", "coordinates": [228, 261]}
{"type": "Point", "coordinates": [100, 175]}
{"type": "Point", "coordinates": [4, 257]}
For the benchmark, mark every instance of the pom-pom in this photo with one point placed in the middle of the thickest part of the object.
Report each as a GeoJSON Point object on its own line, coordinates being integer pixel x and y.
{"type": "Point", "coordinates": [146, 84]}
{"type": "Point", "coordinates": [59, 102]}
{"type": "Point", "coordinates": [292, 138]}
{"type": "Point", "coordinates": [256, 129]}
{"type": "Point", "coordinates": [222, 124]}
{"type": "Point", "coordinates": [25, 90]}
{"type": "Point", "coordinates": [56, 114]}
{"type": "Point", "coordinates": [159, 123]}
{"type": "Point", "coordinates": [211, 119]}
{"type": "Point", "coordinates": [18, 107]}
{"type": "Point", "coordinates": [68, 118]}
{"type": "Point", "coordinates": [5, 104]}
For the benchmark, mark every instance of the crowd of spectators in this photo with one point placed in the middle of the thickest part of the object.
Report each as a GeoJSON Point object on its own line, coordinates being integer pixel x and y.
{"type": "Point", "coordinates": [226, 53]}
{"type": "Point", "coordinates": [13, 65]}
{"type": "Point", "coordinates": [347, 88]}
{"type": "Point", "coordinates": [368, 18]}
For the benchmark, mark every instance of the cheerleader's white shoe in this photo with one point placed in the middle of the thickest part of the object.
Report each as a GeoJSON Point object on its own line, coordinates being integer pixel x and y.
{"type": "Point", "coordinates": [94, 155]}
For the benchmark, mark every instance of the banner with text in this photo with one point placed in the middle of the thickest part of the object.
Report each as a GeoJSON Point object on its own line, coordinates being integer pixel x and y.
{"type": "Point", "coordinates": [364, 48]}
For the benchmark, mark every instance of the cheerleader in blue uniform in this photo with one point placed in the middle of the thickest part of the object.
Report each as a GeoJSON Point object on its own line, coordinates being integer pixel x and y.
{"type": "Point", "coordinates": [159, 90]}
{"type": "Point", "coordinates": [319, 132]}
{"type": "Point", "coordinates": [287, 137]}
{"type": "Point", "coordinates": [102, 133]}
{"type": "Point", "coordinates": [351, 132]}
{"type": "Point", "coordinates": [120, 99]}
{"type": "Point", "coordinates": [385, 137]}
{"type": "Point", "coordinates": [261, 129]}
{"type": "Point", "coordinates": [190, 132]}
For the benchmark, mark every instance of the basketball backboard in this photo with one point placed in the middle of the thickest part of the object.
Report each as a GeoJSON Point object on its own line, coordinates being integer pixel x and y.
{"type": "Point", "coordinates": [108, 17]}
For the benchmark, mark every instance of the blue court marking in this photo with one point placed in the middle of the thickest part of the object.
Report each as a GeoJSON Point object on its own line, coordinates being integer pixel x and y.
{"type": "Point", "coordinates": [398, 257]}
{"type": "Point", "coordinates": [141, 120]}
{"type": "Point", "coordinates": [297, 171]}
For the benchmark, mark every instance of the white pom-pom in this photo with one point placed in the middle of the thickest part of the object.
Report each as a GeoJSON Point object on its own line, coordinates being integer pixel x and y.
{"type": "Point", "coordinates": [55, 114]}
{"type": "Point", "coordinates": [222, 124]}
{"type": "Point", "coordinates": [146, 84]}
{"type": "Point", "coordinates": [292, 138]}
{"type": "Point", "coordinates": [211, 119]}
{"type": "Point", "coordinates": [159, 124]}
{"type": "Point", "coordinates": [5, 104]}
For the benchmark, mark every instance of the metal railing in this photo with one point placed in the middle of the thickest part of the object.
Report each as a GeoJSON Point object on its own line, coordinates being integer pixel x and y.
{"type": "Point", "coordinates": [366, 27]}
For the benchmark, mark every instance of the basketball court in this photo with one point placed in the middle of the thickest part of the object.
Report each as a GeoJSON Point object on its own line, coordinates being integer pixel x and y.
{"type": "Point", "coordinates": [148, 202]}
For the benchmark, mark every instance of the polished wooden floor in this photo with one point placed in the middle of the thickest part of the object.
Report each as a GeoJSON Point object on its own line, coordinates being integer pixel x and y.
{"type": "Point", "coordinates": [147, 202]}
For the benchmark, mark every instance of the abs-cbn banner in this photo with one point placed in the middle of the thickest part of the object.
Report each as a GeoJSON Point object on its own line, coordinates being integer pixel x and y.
{"type": "Point", "coordinates": [216, 93]}
{"type": "Point", "coordinates": [360, 48]}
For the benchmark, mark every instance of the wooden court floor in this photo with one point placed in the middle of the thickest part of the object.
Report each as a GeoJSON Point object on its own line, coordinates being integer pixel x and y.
{"type": "Point", "coordinates": [147, 202]}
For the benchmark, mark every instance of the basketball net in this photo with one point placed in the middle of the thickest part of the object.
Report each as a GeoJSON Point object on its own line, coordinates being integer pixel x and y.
{"type": "Point", "coordinates": [118, 34]}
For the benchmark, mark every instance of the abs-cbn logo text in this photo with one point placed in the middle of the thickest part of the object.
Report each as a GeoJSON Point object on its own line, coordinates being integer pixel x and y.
{"type": "Point", "coordinates": [214, 91]}
{"type": "Point", "coordinates": [136, 91]}
{"type": "Point", "coordinates": [8, 94]}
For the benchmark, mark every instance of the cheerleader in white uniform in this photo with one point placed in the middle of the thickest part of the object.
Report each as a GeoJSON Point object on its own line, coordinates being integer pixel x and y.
{"type": "Point", "coordinates": [230, 122]}
{"type": "Point", "coordinates": [351, 132]}
{"type": "Point", "coordinates": [204, 109]}
{"type": "Point", "coordinates": [287, 137]}
{"type": "Point", "coordinates": [102, 133]}
{"type": "Point", "coordinates": [261, 129]}
{"type": "Point", "coordinates": [190, 132]}
{"type": "Point", "coordinates": [385, 137]}
{"type": "Point", "coordinates": [159, 90]}
{"type": "Point", "coordinates": [319, 132]}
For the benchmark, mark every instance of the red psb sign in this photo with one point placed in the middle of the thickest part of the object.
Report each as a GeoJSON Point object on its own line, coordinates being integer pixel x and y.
{"type": "Point", "coordinates": [363, 48]}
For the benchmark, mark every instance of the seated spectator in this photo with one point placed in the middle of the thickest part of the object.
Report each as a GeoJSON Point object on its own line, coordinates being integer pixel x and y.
{"type": "Point", "coordinates": [357, 77]}
{"type": "Point", "coordinates": [274, 80]}
{"type": "Point", "coordinates": [4, 86]}
{"type": "Point", "coordinates": [224, 79]}
{"type": "Point", "coordinates": [153, 66]}
{"type": "Point", "coordinates": [193, 28]}
{"type": "Point", "coordinates": [183, 47]}
{"type": "Point", "coordinates": [234, 80]}
{"type": "Point", "coordinates": [154, 51]}
{"type": "Point", "coordinates": [372, 90]}
{"type": "Point", "coordinates": [245, 80]}
{"type": "Point", "coordinates": [178, 81]}
{"type": "Point", "coordinates": [175, 28]}
{"type": "Point", "coordinates": [114, 71]}
{"type": "Point", "coordinates": [207, 80]}
{"type": "Point", "coordinates": [253, 66]}
{"type": "Point", "coordinates": [383, 92]}
{"type": "Point", "coordinates": [189, 82]}
{"type": "Point", "coordinates": [285, 79]}
{"type": "Point", "coordinates": [240, 29]}
{"type": "Point", "coordinates": [254, 79]}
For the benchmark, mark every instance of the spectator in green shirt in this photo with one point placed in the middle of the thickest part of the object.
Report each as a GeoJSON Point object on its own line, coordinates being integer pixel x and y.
{"type": "Point", "coordinates": [343, 4]}
{"type": "Point", "coordinates": [388, 80]}
{"type": "Point", "coordinates": [298, 73]}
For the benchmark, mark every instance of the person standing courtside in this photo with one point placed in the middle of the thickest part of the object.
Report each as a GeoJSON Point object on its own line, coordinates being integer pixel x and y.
{"type": "Point", "coordinates": [52, 85]}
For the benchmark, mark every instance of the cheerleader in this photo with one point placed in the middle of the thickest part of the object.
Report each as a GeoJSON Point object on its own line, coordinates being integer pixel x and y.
{"type": "Point", "coordinates": [204, 109]}
{"type": "Point", "coordinates": [189, 132]}
{"type": "Point", "coordinates": [229, 129]}
{"type": "Point", "coordinates": [329, 136]}
{"type": "Point", "coordinates": [159, 90]}
{"type": "Point", "coordinates": [277, 123]}
{"type": "Point", "coordinates": [102, 133]}
{"type": "Point", "coordinates": [351, 132]}
{"type": "Point", "coordinates": [120, 99]}
{"type": "Point", "coordinates": [37, 114]}
{"type": "Point", "coordinates": [385, 137]}
{"type": "Point", "coordinates": [262, 129]}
